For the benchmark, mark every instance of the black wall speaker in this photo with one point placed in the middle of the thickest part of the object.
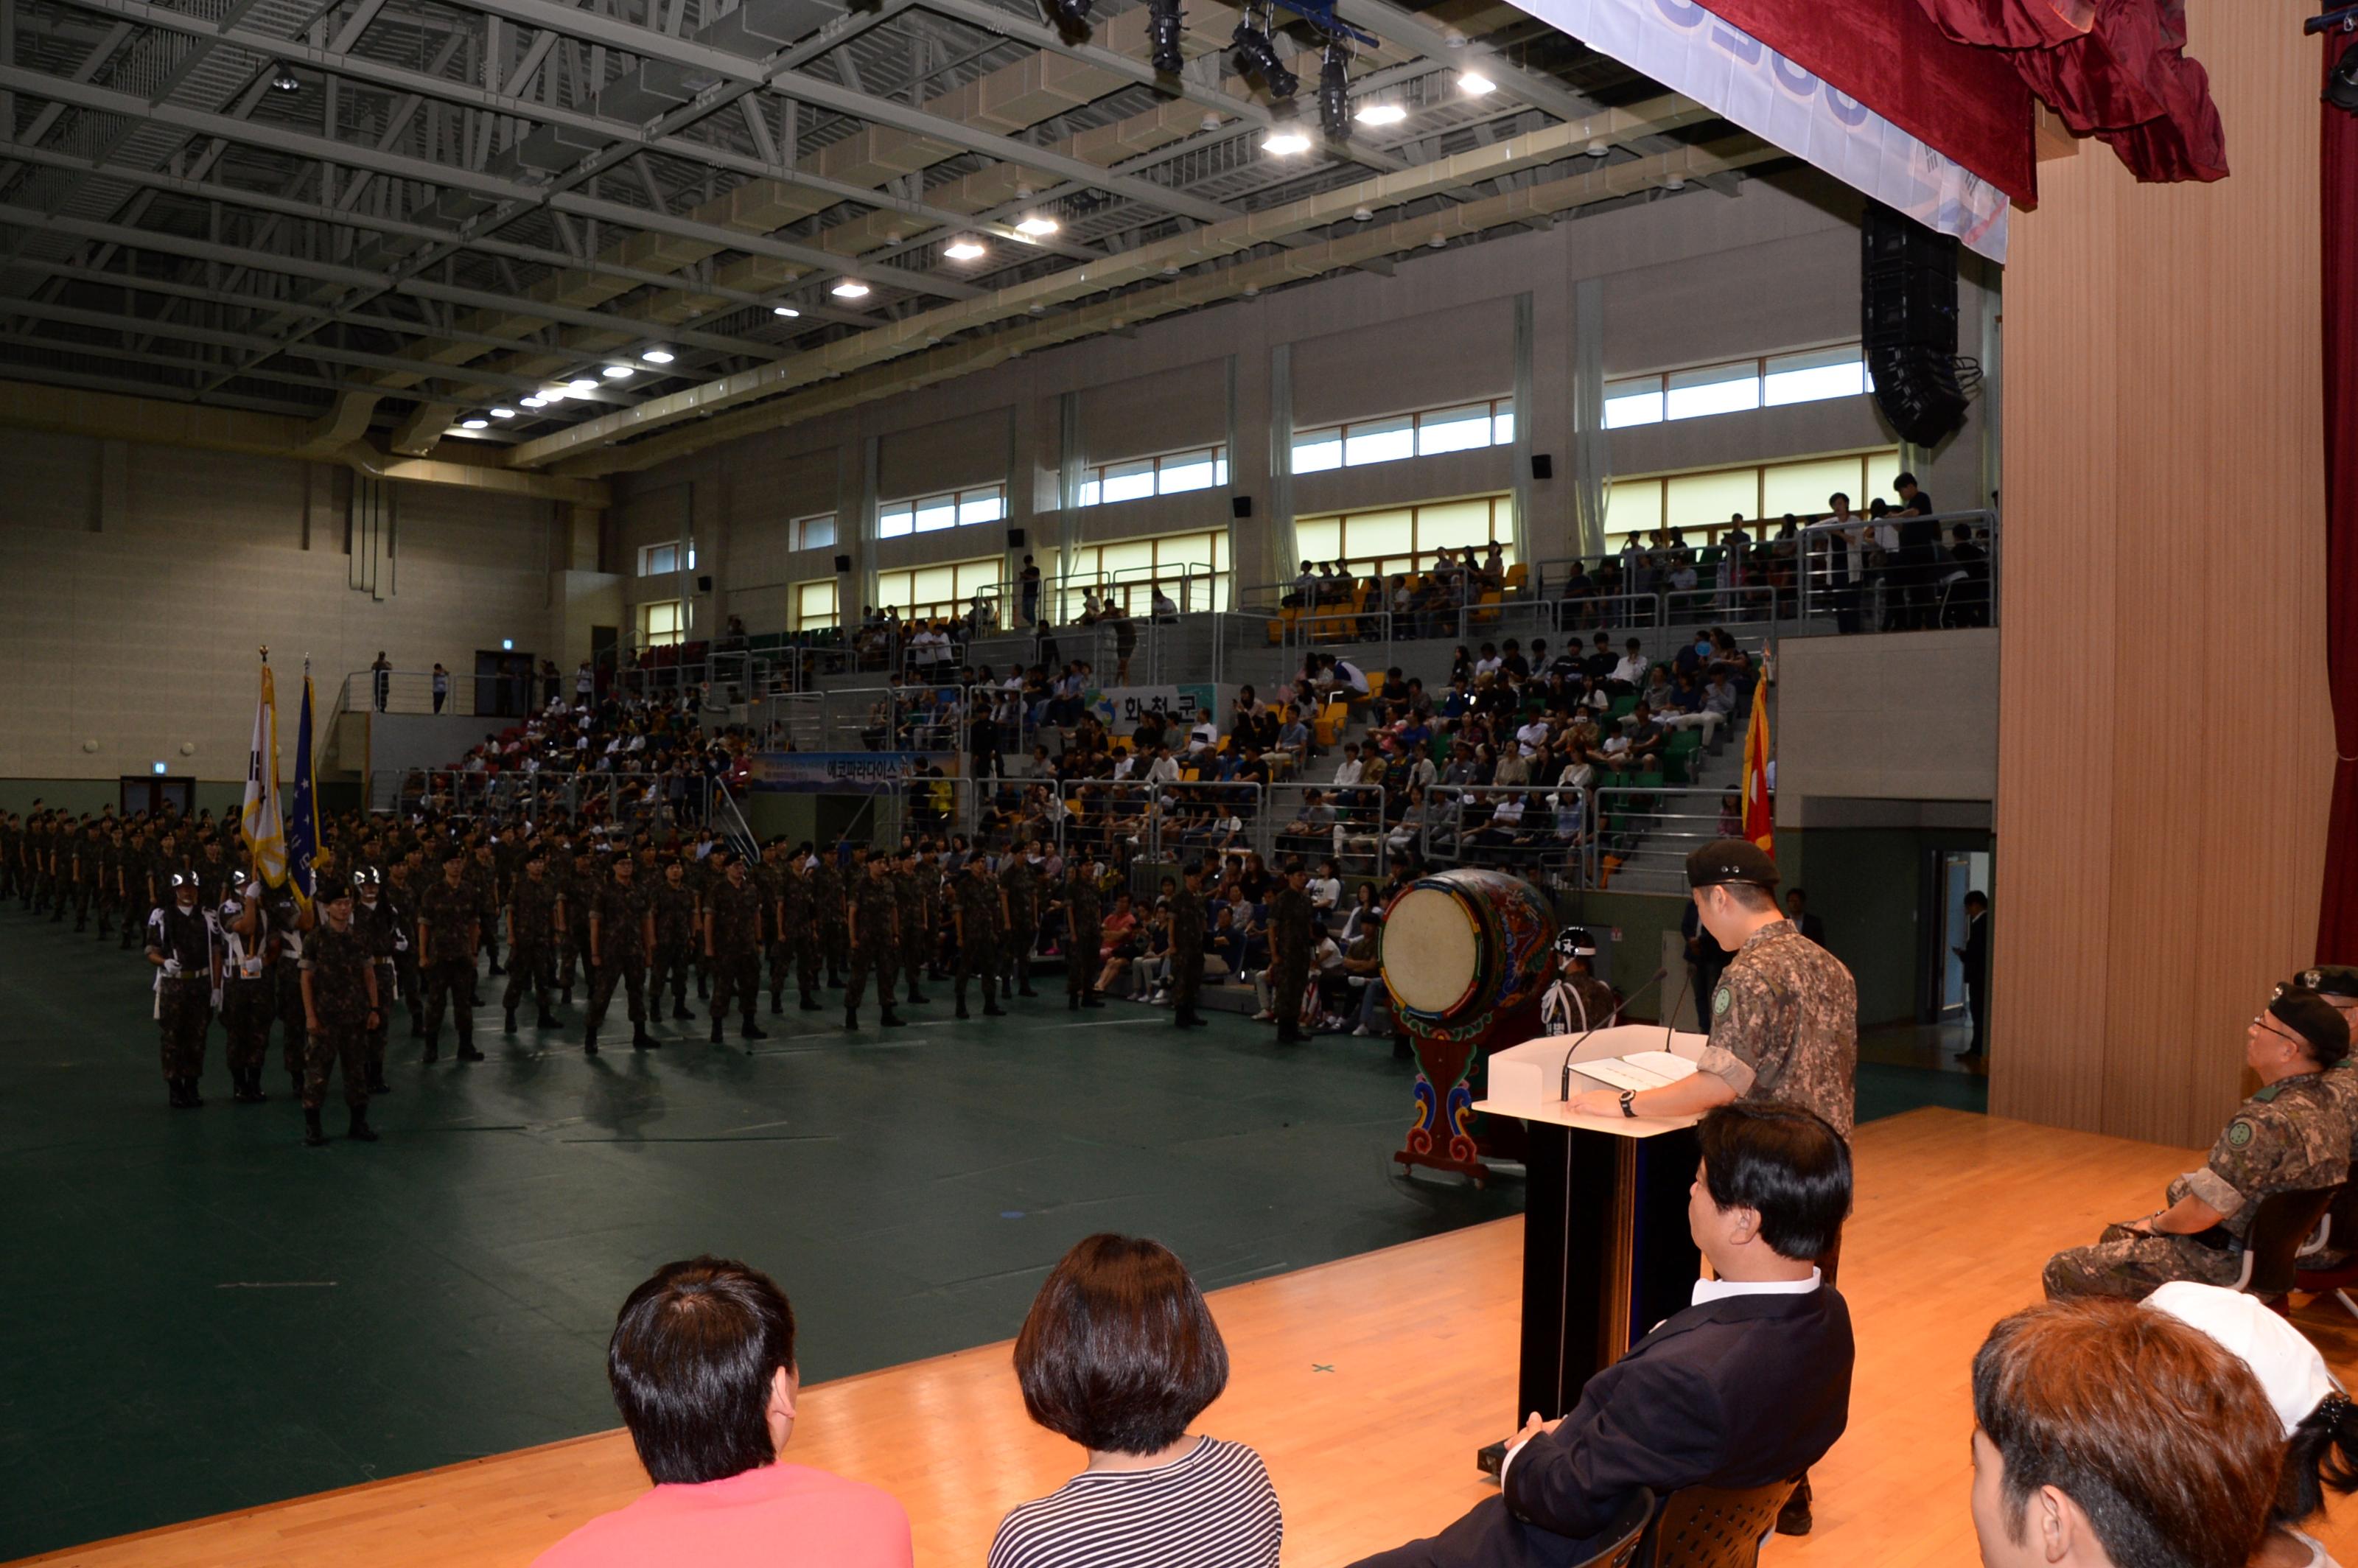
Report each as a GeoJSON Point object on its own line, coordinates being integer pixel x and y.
{"type": "Point", "coordinates": [1016, 538]}
{"type": "Point", "coordinates": [1240, 506]}
{"type": "Point", "coordinates": [704, 585]}
{"type": "Point", "coordinates": [843, 563]}
{"type": "Point", "coordinates": [1907, 323]}
{"type": "Point", "coordinates": [1543, 466]}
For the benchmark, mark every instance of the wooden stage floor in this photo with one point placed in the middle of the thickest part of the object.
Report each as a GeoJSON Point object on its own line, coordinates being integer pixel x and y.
{"type": "Point", "coordinates": [1366, 1384]}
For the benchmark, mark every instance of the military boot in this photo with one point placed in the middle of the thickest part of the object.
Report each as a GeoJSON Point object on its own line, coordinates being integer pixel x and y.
{"type": "Point", "coordinates": [810, 1001]}
{"type": "Point", "coordinates": [433, 1045]}
{"type": "Point", "coordinates": [680, 1012]}
{"type": "Point", "coordinates": [851, 1018]}
{"type": "Point", "coordinates": [1071, 1001]}
{"type": "Point", "coordinates": [778, 1001]}
{"type": "Point", "coordinates": [960, 992]}
{"type": "Point", "coordinates": [991, 1008]}
{"type": "Point", "coordinates": [589, 1041]}
{"type": "Point", "coordinates": [1090, 998]}
{"type": "Point", "coordinates": [892, 1020]}
{"type": "Point", "coordinates": [359, 1128]}
{"type": "Point", "coordinates": [746, 1031]}
{"type": "Point", "coordinates": [467, 1052]}
{"type": "Point", "coordinates": [547, 1020]}
{"type": "Point", "coordinates": [313, 1135]}
{"type": "Point", "coordinates": [640, 1040]}
{"type": "Point", "coordinates": [511, 1026]}
{"type": "Point", "coordinates": [715, 1036]}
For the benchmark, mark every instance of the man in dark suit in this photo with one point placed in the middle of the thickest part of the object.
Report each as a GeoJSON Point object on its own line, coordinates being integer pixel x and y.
{"type": "Point", "coordinates": [1974, 957]}
{"type": "Point", "coordinates": [1748, 1386]}
{"type": "Point", "coordinates": [1797, 910]}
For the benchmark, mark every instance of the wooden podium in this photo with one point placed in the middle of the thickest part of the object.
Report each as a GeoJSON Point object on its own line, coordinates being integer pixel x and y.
{"type": "Point", "coordinates": [1607, 1252]}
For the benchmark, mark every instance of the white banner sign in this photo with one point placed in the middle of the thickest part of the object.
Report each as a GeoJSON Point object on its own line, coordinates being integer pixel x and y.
{"type": "Point", "coordinates": [1730, 73]}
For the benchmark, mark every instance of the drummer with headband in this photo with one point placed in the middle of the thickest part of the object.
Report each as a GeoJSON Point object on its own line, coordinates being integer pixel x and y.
{"type": "Point", "coordinates": [1578, 1002]}
{"type": "Point", "coordinates": [1784, 1017]}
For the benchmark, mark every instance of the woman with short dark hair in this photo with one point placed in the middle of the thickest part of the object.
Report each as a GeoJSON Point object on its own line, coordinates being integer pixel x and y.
{"type": "Point", "coordinates": [1120, 1353]}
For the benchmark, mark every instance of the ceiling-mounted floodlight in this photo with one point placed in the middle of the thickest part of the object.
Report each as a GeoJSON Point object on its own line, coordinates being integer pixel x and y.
{"type": "Point", "coordinates": [476, 423]}
{"type": "Point", "coordinates": [964, 248]}
{"type": "Point", "coordinates": [657, 356]}
{"type": "Point", "coordinates": [282, 77]}
{"type": "Point", "coordinates": [787, 310]}
{"type": "Point", "coordinates": [1382, 113]}
{"type": "Point", "coordinates": [1256, 57]}
{"type": "Point", "coordinates": [1036, 225]}
{"type": "Point", "coordinates": [849, 288]}
{"type": "Point", "coordinates": [619, 373]}
{"type": "Point", "coordinates": [1285, 139]}
{"type": "Point", "coordinates": [1072, 15]}
{"type": "Point", "coordinates": [1162, 36]}
{"type": "Point", "coordinates": [1334, 95]}
{"type": "Point", "coordinates": [1474, 84]}
{"type": "Point", "coordinates": [502, 413]}
{"type": "Point", "coordinates": [582, 387]}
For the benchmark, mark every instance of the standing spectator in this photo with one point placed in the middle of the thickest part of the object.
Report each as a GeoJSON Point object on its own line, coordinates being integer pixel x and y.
{"type": "Point", "coordinates": [381, 672]}
{"type": "Point", "coordinates": [441, 688]}
{"type": "Point", "coordinates": [1029, 579]}
{"type": "Point", "coordinates": [1974, 958]}
{"type": "Point", "coordinates": [1120, 1353]}
{"type": "Point", "coordinates": [585, 684]}
{"type": "Point", "coordinates": [1969, 584]}
{"type": "Point", "coordinates": [702, 1366]}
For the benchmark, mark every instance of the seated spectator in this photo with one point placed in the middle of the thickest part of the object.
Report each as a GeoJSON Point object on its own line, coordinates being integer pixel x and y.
{"type": "Point", "coordinates": [2107, 1435]}
{"type": "Point", "coordinates": [1628, 676]}
{"type": "Point", "coordinates": [702, 1366]}
{"type": "Point", "coordinates": [1120, 1353]}
{"type": "Point", "coordinates": [1747, 1385]}
{"type": "Point", "coordinates": [2293, 1135]}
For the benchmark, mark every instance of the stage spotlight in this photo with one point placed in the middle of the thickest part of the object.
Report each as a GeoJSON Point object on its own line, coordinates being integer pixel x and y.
{"type": "Point", "coordinates": [1072, 15]}
{"type": "Point", "coordinates": [282, 77]}
{"type": "Point", "coordinates": [1256, 57]}
{"type": "Point", "coordinates": [1334, 95]}
{"type": "Point", "coordinates": [1162, 36]}
{"type": "Point", "coordinates": [2341, 82]}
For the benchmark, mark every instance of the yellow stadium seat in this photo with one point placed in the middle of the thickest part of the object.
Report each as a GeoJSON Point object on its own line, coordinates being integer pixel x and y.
{"type": "Point", "coordinates": [1516, 575]}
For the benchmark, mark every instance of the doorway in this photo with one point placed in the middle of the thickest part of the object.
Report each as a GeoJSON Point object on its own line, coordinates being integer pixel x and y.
{"type": "Point", "coordinates": [147, 791]}
{"type": "Point", "coordinates": [1952, 875]}
{"type": "Point", "coordinates": [502, 683]}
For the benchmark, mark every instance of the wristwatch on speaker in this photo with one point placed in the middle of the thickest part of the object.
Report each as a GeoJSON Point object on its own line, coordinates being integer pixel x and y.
{"type": "Point", "coordinates": [1628, 1108]}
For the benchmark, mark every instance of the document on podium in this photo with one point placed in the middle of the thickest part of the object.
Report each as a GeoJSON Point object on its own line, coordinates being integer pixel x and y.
{"type": "Point", "coordinates": [1640, 1070]}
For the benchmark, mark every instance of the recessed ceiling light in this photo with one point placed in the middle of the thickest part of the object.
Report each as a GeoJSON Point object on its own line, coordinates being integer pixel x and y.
{"type": "Point", "coordinates": [657, 356]}
{"type": "Point", "coordinates": [619, 373]}
{"type": "Point", "coordinates": [1036, 225]}
{"type": "Point", "coordinates": [1284, 142]}
{"type": "Point", "coordinates": [502, 413]}
{"type": "Point", "coordinates": [474, 423]}
{"type": "Point", "coordinates": [583, 388]}
{"type": "Point", "coordinates": [1473, 84]}
{"type": "Point", "coordinates": [787, 310]}
{"type": "Point", "coordinates": [963, 250]}
{"type": "Point", "coordinates": [1382, 113]}
{"type": "Point", "coordinates": [849, 288]}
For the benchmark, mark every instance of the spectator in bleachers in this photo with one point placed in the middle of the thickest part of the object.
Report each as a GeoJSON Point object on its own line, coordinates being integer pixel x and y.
{"type": "Point", "coordinates": [702, 1367]}
{"type": "Point", "coordinates": [1120, 1354]}
{"type": "Point", "coordinates": [2112, 1435]}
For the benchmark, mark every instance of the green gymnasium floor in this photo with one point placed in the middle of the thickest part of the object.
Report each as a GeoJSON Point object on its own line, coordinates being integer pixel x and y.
{"type": "Point", "coordinates": [205, 1314]}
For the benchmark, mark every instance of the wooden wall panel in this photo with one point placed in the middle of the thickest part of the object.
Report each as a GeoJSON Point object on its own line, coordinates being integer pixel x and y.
{"type": "Point", "coordinates": [2165, 751]}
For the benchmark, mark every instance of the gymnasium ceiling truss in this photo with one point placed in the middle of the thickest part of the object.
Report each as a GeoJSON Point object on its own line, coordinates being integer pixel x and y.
{"type": "Point", "coordinates": [565, 240]}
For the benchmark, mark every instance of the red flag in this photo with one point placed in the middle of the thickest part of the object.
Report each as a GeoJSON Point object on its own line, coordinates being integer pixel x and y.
{"type": "Point", "coordinates": [1759, 824]}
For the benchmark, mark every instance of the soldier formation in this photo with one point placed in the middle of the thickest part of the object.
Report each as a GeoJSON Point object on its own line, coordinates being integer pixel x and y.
{"type": "Point", "coordinates": [410, 916]}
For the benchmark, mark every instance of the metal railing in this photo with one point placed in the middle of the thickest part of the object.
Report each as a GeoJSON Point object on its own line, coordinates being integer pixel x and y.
{"type": "Point", "coordinates": [1866, 583]}
{"type": "Point", "coordinates": [1640, 837]}
{"type": "Point", "coordinates": [1062, 600]}
{"type": "Point", "coordinates": [666, 799]}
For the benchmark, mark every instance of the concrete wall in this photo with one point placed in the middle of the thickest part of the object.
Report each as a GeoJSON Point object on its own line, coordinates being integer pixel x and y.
{"type": "Point", "coordinates": [136, 583]}
{"type": "Point", "coordinates": [1692, 280]}
{"type": "Point", "coordinates": [1911, 716]}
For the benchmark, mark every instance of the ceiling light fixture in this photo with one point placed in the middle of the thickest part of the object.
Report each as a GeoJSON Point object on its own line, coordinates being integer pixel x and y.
{"type": "Point", "coordinates": [1255, 57]}
{"type": "Point", "coordinates": [1162, 37]}
{"type": "Point", "coordinates": [1362, 214]}
{"type": "Point", "coordinates": [1599, 148]}
{"type": "Point", "coordinates": [1334, 93]}
{"type": "Point", "coordinates": [474, 423]}
{"type": "Point", "coordinates": [849, 288]}
{"type": "Point", "coordinates": [502, 413]}
{"type": "Point", "coordinates": [535, 402]}
{"type": "Point", "coordinates": [657, 356]}
{"type": "Point", "coordinates": [1285, 139]}
{"type": "Point", "coordinates": [583, 388]}
{"type": "Point", "coordinates": [282, 77]}
{"type": "Point", "coordinates": [1072, 15]}
{"type": "Point", "coordinates": [1382, 113]}
{"type": "Point", "coordinates": [785, 310]}
{"type": "Point", "coordinates": [1674, 183]}
{"type": "Point", "coordinates": [619, 373]}
{"type": "Point", "coordinates": [964, 249]}
{"type": "Point", "coordinates": [1036, 225]}
{"type": "Point", "coordinates": [1474, 84]}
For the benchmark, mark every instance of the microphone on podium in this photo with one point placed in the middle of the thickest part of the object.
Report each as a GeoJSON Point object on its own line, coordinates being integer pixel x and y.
{"type": "Point", "coordinates": [1563, 1089]}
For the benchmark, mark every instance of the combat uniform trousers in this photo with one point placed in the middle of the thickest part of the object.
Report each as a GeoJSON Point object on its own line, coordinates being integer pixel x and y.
{"type": "Point", "coordinates": [287, 980]}
{"type": "Point", "coordinates": [874, 953]}
{"type": "Point", "coordinates": [781, 956]}
{"type": "Point", "coordinates": [913, 966]}
{"type": "Point", "coordinates": [736, 976]}
{"type": "Point", "coordinates": [372, 1040]}
{"type": "Point", "coordinates": [339, 1044]}
{"type": "Point", "coordinates": [406, 978]}
{"type": "Point", "coordinates": [1015, 960]}
{"type": "Point", "coordinates": [671, 966]}
{"type": "Point", "coordinates": [578, 957]}
{"type": "Point", "coordinates": [451, 981]}
{"type": "Point", "coordinates": [2131, 1264]}
{"type": "Point", "coordinates": [1289, 977]}
{"type": "Point", "coordinates": [82, 892]}
{"type": "Point", "coordinates": [184, 1009]}
{"type": "Point", "coordinates": [247, 1008]}
{"type": "Point", "coordinates": [530, 967]}
{"type": "Point", "coordinates": [805, 944]}
{"type": "Point", "coordinates": [979, 955]}
{"type": "Point", "coordinates": [1081, 940]}
{"type": "Point", "coordinates": [834, 946]}
{"type": "Point", "coordinates": [626, 966]}
{"type": "Point", "coordinates": [1187, 979]}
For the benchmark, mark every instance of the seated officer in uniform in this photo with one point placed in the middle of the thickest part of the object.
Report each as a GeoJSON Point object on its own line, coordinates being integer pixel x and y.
{"type": "Point", "coordinates": [2293, 1135]}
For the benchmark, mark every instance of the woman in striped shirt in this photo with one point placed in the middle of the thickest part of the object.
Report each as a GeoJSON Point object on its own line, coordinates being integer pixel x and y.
{"type": "Point", "coordinates": [1121, 1355]}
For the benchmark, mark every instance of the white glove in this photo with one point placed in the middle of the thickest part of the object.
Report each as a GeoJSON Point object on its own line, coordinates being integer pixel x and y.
{"type": "Point", "coordinates": [171, 969]}
{"type": "Point", "coordinates": [400, 943]}
{"type": "Point", "coordinates": [217, 998]}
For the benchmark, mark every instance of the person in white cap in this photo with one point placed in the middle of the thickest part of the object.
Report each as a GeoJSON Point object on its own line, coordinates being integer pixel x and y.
{"type": "Point", "coordinates": [2321, 1430]}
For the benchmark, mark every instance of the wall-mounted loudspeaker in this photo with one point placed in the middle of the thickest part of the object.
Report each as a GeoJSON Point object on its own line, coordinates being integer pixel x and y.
{"type": "Point", "coordinates": [843, 563]}
{"type": "Point", "coordinates": [1907, 309]}
{"type": "Point", "coordinates": [704, 585]}
{"type": "Point", "coordinates": [1543, 466]}
{"type": "Point", "coordinates": [1016, 538]}
{"type": "Point", "coordinates": [1240, 506]}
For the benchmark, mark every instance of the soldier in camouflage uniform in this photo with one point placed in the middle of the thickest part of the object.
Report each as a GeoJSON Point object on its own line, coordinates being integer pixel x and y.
{"type": "Point", "coordinates": [679, 922]}
{"type": "Point", "coordinates": [829, 898]}
{"type": "Point", "coordinates": [373, 919]}
{"type": "Point", "coordinates": [1291, 942]}
{"type": "Point", "coordinates": [579, 893]}
{"type": "Point", "coordinates": [795, 906]}
{"type": "Point", "coordinates": [340, 1003]}
{"type": "Point", "coordinates": [184, 944]}
{"type": "Point", "coordinates": [448, 939]}
{"type": "Point", "coordinates": [483, 876]}
{"type": "Point", "coordinates": [287, 925]}
{"type": "Point", "coordinates": [704, 879]}
{"type": "Point", "coordinates": [916, 936]}
{"type": "Point", "coordinates": [249, 998]}
{"type": "Point", "coordinates": [733, 920]}
{"type": "Point", "coordinates": [1083, 935]}
{"type": "Point", "coordinates": [535, 927]}
{"type": "Point", "coordinates": [1188, 931]}
{"type": "Point", "coordinates": [979, 913]}
{"type": "Point", "coordinates": [623, 938]}
{"type": "Point", "coordinates": [2292, 1136]}
{"type": "Point", "coordinates": [1020, 878]}
{"type": "Point", "coordinates": [401, 893]}
{"type": "Point", "coordinates": [929, 886]}
{"type": "Point", "coordinates": [873, 914]}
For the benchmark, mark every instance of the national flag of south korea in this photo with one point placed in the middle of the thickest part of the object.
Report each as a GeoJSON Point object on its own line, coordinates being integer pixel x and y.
{"type": "Point", "coordinates": [259, 822]}
{"type": "Point", "coordinates": [1759, 818]}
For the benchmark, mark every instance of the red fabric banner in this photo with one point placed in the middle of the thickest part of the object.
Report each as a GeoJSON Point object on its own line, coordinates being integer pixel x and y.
{"type": "Point", "coordinates": [1969, 104]}
{"type": "Point", "coordinates": [2337, 920]}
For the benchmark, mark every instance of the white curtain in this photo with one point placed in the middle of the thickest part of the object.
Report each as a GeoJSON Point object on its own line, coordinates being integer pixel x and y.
{"type": "Point", "coordinates": [1592, 454]}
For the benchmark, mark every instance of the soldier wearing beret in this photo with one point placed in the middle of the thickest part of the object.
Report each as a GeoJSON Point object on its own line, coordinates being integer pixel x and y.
{"type": "Point", "coordinates": [733, 918]}
{"type": "Point", "coordinates": [339, 1008]}
{"type": "Point", "coordinates": [2292, 1136]}
{"type": "Point", "coordinates": [1784, 1016]}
